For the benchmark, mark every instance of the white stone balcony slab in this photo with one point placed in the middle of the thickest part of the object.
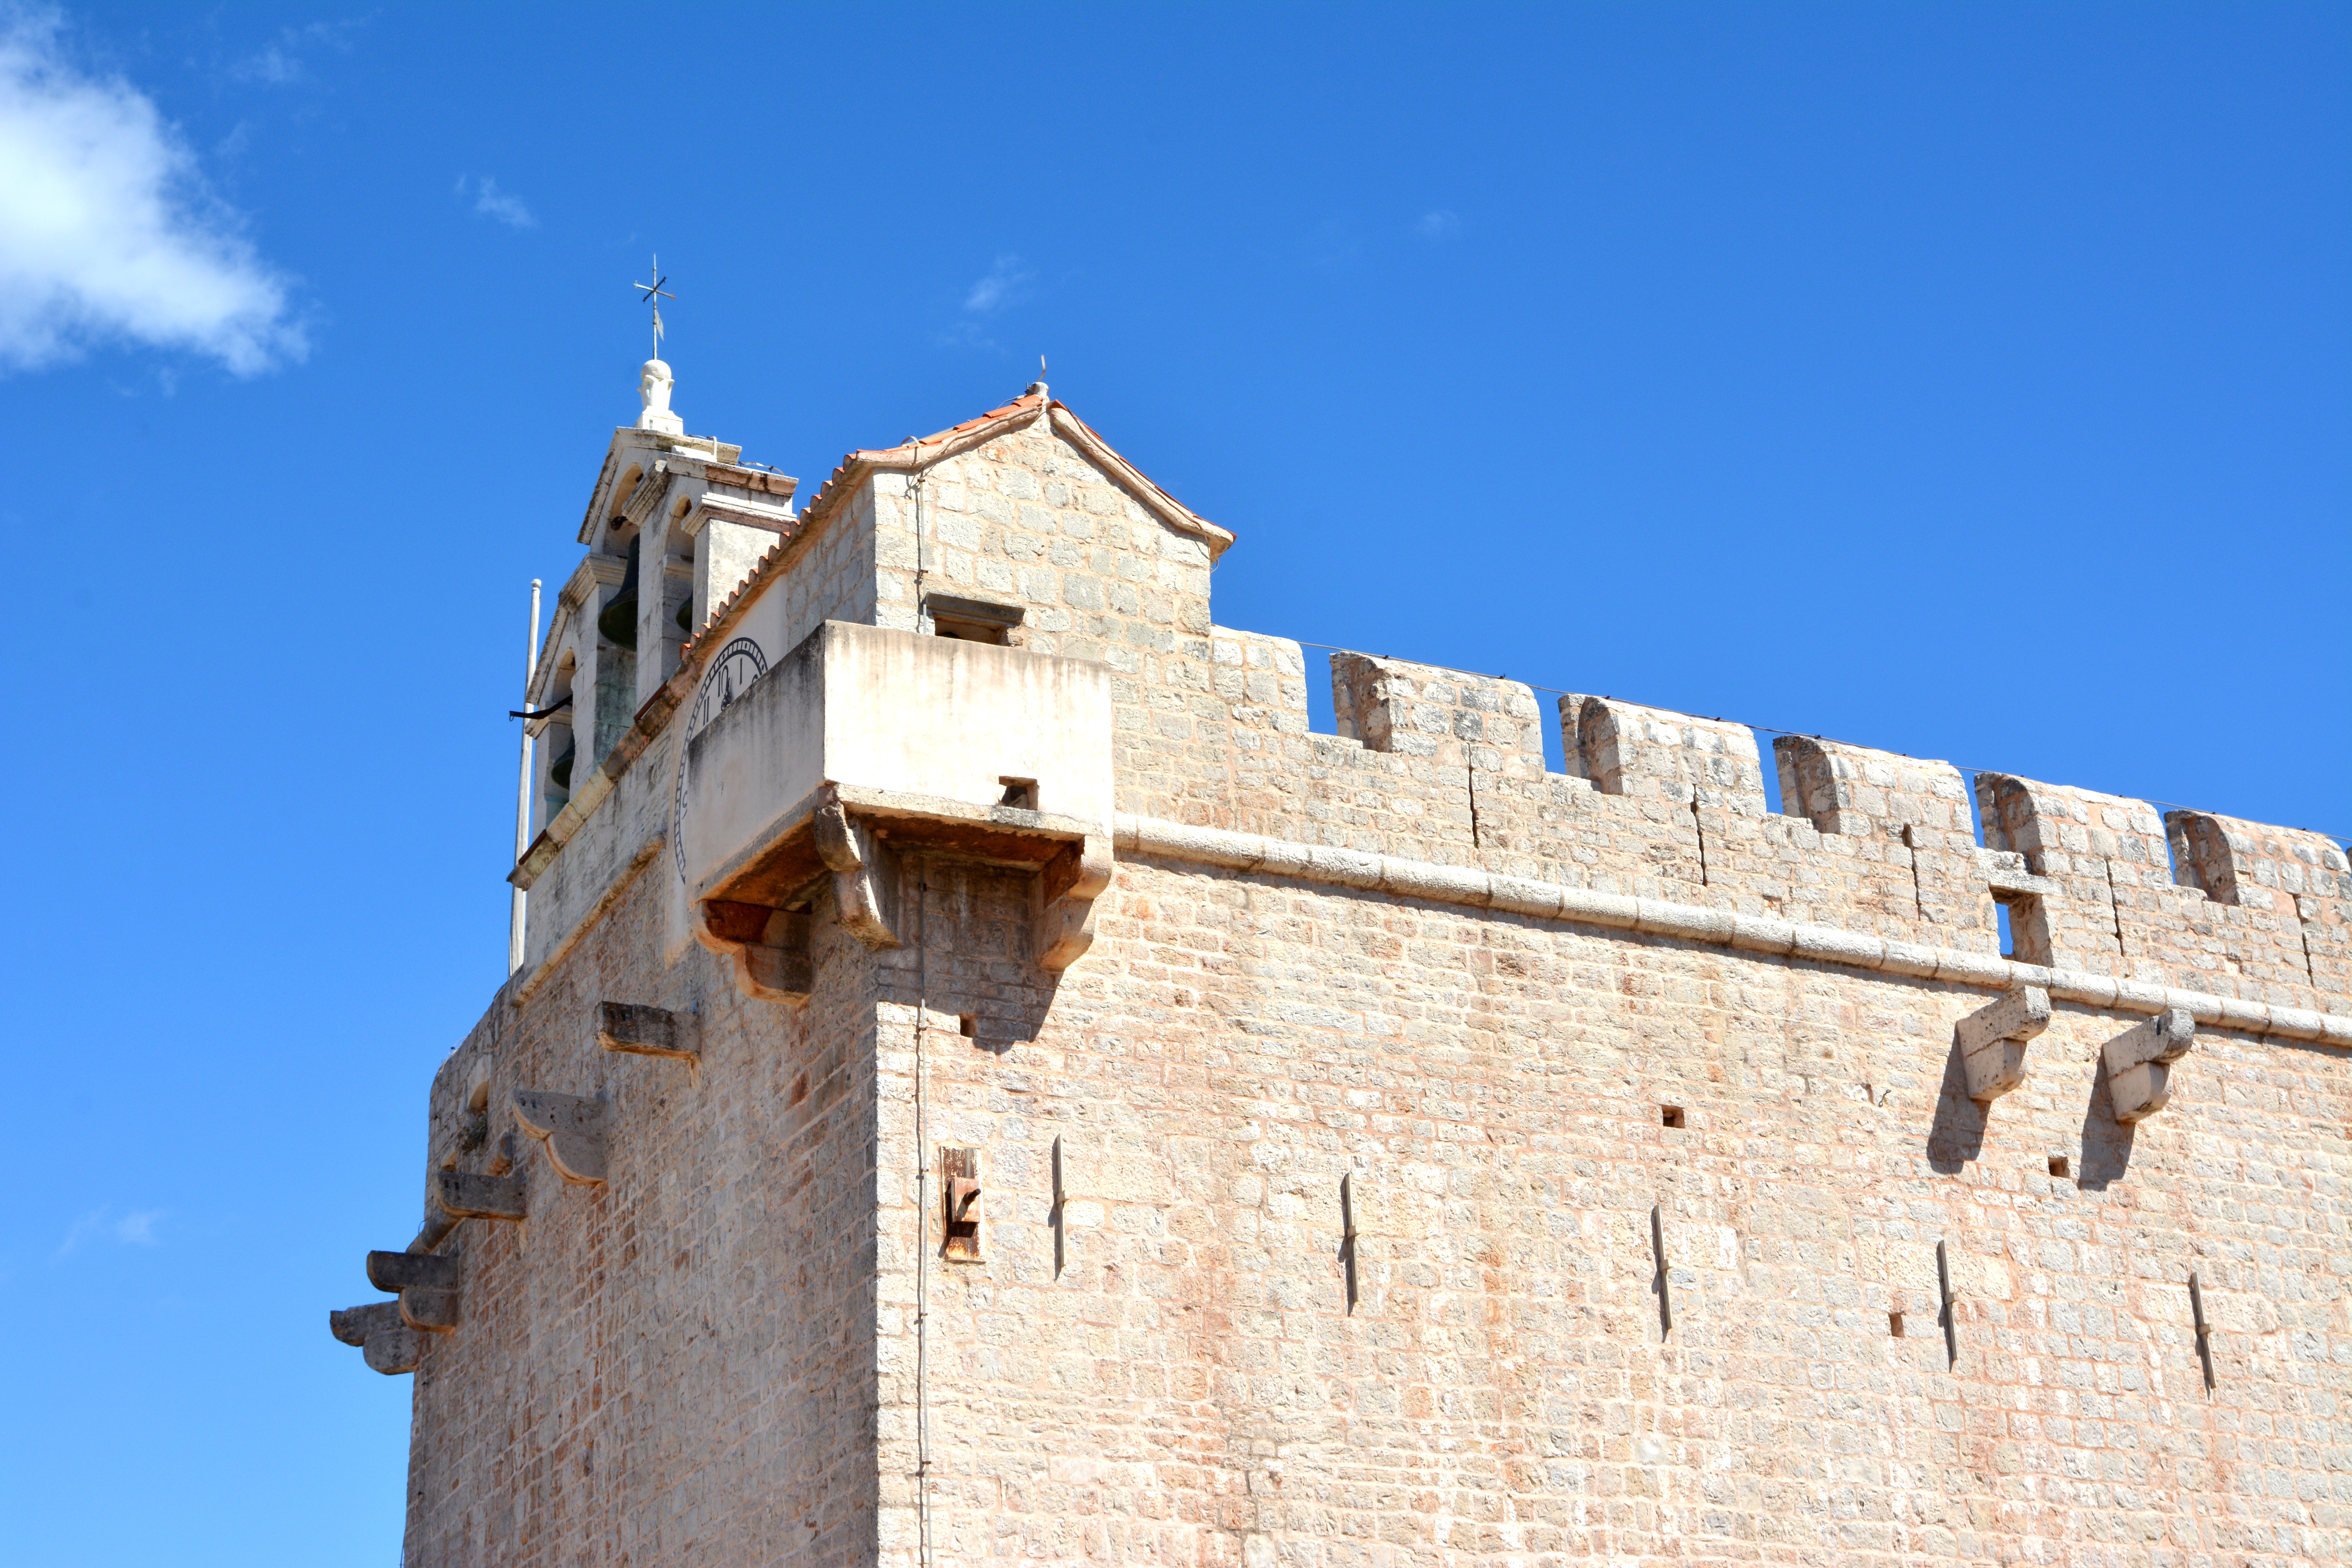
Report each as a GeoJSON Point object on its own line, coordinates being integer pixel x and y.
{"type": "Point", "coordinates": [864, 744]}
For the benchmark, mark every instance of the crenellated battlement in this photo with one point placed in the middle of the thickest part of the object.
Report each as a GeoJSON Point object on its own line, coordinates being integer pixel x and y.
{"type": "Point", "coordinates": [968, 994]}
{"type": "Point", "coordinates": [1436, 765]}
{"type": "Point", "coordinates": [1024, 527]}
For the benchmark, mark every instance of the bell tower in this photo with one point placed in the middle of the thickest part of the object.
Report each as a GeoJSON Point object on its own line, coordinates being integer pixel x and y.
{"type": "Point", "coordinates": [670, 516]}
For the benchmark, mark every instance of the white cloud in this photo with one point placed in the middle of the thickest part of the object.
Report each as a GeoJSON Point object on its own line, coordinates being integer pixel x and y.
{"type": "Point", "coordinates": [999, 289]}
{"type": "Point", "coordinates": [273, 65]}
{"type": "Point", "coordinates": [1437, 223]}
{"type": "Point", "coordinates": [492, 202]}
{"type": "Point", "coordinates": [106, 231]}
{"type": "Point", "coordinates": [137, 1229]}
{"type": "Point", "coordinates": [280, 63]}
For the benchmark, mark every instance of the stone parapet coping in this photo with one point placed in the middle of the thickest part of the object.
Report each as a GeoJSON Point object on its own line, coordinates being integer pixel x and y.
{"type": "Point", "coordinates": [1690, 922]}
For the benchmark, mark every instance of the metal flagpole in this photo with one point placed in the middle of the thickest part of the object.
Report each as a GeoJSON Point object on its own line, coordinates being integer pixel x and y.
{"type": "Point", "coordinates": [522, 786]}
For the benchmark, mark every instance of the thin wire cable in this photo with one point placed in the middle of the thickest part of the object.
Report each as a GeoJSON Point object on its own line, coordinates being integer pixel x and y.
{"type": "Point", "coordinates": [1718, 718]}
{"type": "Point", "coordinates": [922, 1218]}
{"type": "Point", "coordinates": [915, 504]}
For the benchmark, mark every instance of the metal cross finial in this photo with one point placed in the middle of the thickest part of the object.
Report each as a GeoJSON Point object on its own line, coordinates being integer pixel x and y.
{"type": "Point", "coordinates": [654, 293]}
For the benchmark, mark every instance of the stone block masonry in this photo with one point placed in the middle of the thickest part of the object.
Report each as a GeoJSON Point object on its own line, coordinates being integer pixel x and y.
{"type": "Point", "coordinates": [1425, 1158]}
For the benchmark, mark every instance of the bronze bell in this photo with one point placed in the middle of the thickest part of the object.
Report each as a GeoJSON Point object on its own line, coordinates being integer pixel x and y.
{"type": "Point", "coordinates": [618, 622]}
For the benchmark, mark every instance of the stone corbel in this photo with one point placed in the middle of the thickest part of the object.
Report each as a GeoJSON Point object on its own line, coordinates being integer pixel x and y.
{"type": "Point", "coordinates": [389, 1345]}
{"type": "Point", "coordinates": [861, 886]}
{"type": "Point", "coordinates": [1067, 889]}
{"type": "Point", "coordinates": [429, 1311]}
{"type": "Point", "coordinates": [572, 1128]}
{"type": "Point", "coordinates": [647, 1031]}
{"type": "Point", "coordinates": [427, 1285]}
{"type": "Point", "coordinates": [770, 947]}
{"type": "Point", "coordinates": [434, 1231]}
{"type": "Point", "coordinates": [471, 1197]}
{"type": "Point", "coordinates": [406, 1271]}
{"type": "Point", "coordinates": [1993, 1040]}
{"type": "Point", "coordinates": [2139, 1062]}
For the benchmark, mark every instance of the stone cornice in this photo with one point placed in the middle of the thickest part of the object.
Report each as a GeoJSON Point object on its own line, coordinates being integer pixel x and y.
{"type": "Point", "coordinates": [592, 569]}
{"type": "Point", "coordinates": [710, 508]}
{"type": "Point", "coordinates": [1467, 886]}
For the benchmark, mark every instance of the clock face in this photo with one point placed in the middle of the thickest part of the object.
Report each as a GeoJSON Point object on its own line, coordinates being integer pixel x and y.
{"type": "Point", "coordinates": [736, 664]}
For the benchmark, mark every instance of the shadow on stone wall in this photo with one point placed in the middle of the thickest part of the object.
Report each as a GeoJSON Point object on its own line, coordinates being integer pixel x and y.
{"type": "Point", "coordinates": [2106, 1142]}
{"type": "Point", "coordinates": [1957, 1134]}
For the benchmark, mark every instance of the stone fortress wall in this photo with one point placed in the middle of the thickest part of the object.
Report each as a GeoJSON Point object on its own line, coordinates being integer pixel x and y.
{"type": "Point", "coordinates": [1433, 1159]}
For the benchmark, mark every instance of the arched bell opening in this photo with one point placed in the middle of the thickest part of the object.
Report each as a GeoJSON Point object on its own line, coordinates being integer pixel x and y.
{"type": "Point", "coordinates": [617, 622]}
{"type": "Point", "coordinates": [558, 753]}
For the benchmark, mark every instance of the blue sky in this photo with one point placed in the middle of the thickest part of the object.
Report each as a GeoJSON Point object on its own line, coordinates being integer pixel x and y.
{"type": "Point", "coordinates": [1970, 382]}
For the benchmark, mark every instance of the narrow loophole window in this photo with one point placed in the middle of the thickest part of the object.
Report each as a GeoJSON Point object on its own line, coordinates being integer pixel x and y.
{"type": "Point", "coordinates": [967, 1025]}
{"type": "Point", "coordinates": [2059, 1165]}
{"type": "Point", "coordinates": [1671, 1115]}
{"type": "Point", "coordinates": [2024, 930]}
{"type": "Point", "coordinates": [1895, 1325]}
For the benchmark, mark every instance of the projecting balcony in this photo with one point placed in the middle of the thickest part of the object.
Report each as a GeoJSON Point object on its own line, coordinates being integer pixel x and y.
{"type": "Point", "coordinates": [864, 746]}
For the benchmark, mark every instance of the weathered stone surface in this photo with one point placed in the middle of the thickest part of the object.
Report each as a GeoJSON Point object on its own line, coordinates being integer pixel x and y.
{"type": "Point", "coordinates": [572, 1128]}
{"type": "Point", "coordinates": [385, 1341]}
{"type": "Point", "coordinates": [403, 1270]}
{"type": "Point", "coordinates": [2139, 1060]}
{"type": "Point", "coordinates": [2253, 864]}
{"type": "Point", "coordinates": [849, 848]}
{"type": "Point", "coordinates": [645, 1031]}
{"type": "Point", "coordinates": [1463, 994]}
{"type": "Point", "coordinates": [1994, 1039]}
{"type": "Point", "coordinates": [353, 1324]}
{"type": "Point", "coordinates": [394, 1350]}
{"type": "Point", "coordinates": [1650, 753]}
{"type": "Point", "coordinates": [429, 1311]}
{"type": "Point", "coordinates": [1452, 718]}
{"type": "Point", "coordinates": [470, 1195]}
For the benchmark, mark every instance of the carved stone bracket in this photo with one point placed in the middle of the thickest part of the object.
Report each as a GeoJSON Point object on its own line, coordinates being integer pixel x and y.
{"type": "Point", "coordinates": [862, 887]}
{"type": "Point", "coordinates": [427, 1285]}
{"type": "Point", "coordinates": [1993, 1040]}
{"type": "Point", "coordinates": [1066, 889]}
{"type": "Point", "coordinates": [770, 947]}
{"type": "Point", "coordinates": [470, 1196]}
{"type": "Point", "coordinates": [389, 1345]}
{"type": "Point", "coordinates": [853, 840]}
{"type": "Point", "coordinates": [2139, 1062]}
{"type": "Point", "coordinates": [647, 1031]}
{"type": "Point", "coordinates": [408, 1271]}
{"type": "Point", "coordinates": [572, 1128]}
{"type": "Point", "coordinates": [429, 1311]}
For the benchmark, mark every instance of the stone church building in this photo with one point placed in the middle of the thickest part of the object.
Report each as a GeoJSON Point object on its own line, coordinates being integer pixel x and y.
{"type": "Point", "coordinates": [987, 1081]}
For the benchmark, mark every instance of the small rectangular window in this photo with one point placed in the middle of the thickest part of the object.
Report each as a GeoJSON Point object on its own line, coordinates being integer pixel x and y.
{"type": "Point", "coordinates": [973, 620]}
{"type": "Point", "coordinates": [2024, 934]}
{"type": "Point", "coordinates": [1672, 1115]}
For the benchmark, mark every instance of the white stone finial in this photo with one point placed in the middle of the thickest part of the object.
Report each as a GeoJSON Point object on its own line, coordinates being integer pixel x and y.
{"type": "Point", "coordinates": [653, 388]}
